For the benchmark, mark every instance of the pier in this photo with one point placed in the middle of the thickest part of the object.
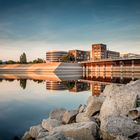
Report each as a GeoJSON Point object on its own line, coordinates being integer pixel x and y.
{"type": "Point", "coordinates": [112, 67]}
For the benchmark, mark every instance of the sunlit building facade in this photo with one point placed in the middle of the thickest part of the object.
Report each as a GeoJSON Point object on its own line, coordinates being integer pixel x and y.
{"type": "Point", "coordinates": [99, 51]}
{"type": "Point", "coordinates": [80, 55]}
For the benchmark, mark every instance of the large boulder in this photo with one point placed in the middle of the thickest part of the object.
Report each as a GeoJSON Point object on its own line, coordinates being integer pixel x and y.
{"type": "Point", "coordinates": [55, 136]}
{"type": "Point", "coordinates": [94, 105]}
{"type": "Point", "coordinates": [42, 135]}
{"type": "Point", "coordinates": [122, 126]}
{"type": "Point", "coordinates": [79, 131]}
{"type": "Point", "coordinates": [135, 86]}
{"type": "Point", "coordinates": [82, 117]}
{"type": "Point", "coordinates": [49, 124]}
{"type": "Point", "coordinates": [69, 116]}
{"type": "Point", "coordinates": [113, 88]}
{"type": "Point", "coordinates": [33, 132]}
{"type": "Point", "coordinates": [82, 108]}
{"type": "Point", "coordinates": [118, 102]}
{"type": "Point", "coordinates": [57, 114]}
{"type": "Point", "coordinates": [121, 138]}
{"type": "Point", "coordinates": [26, 136]}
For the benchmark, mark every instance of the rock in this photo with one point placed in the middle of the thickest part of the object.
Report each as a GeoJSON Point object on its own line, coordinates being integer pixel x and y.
{"type": "Point", "coordinates": [134, 86]}
{"type": "Point", "coordinates": [123, 126]}
{"type": "Point", "coordinates": [134, 113]}
{"type": "Point", "coordinates": [35, 130]}
{"type": "Point", "coordinates": [42, 135]}
{"type": "Point", "coordinates": [82, 108]}
{"type": "Point", "coordinates": [49, 124]}
{"type": "Point", "coordinates": [69, 116]}
{"type": "Point", "coordinates": [26, 136]}
{"type": "Point", "coordinates": [56, 136]}
{"type": "Point", "coordinates": [94, 105]}
{"type": "Point", "coordinates": [82, 117]}
{"type": "Point", "coordinates": [79, 131]}
{"type": "Point", "coordinates": [109, 89]}
{"type": "Point", "coordinates": [119, 103]}
{"type": "Point", "coordinates": [121, 138]}
{"type": "Point", "coordinates": [57, 114]}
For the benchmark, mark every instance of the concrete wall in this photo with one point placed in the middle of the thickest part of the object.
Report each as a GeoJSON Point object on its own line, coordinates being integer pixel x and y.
{"type": "Point", "coordinates": [49, 67]}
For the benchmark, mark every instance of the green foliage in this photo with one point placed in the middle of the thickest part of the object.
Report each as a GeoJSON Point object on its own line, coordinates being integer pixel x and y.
{"type": "Point", "coordinates": [0, 61]}
{"type": "Point", "coordinates": [38, 60]}
{"type": "Point", "coordinates": [23, 83]}
{"type": "Point", "coordinates": [10, 62]}
{"type": "Point", "coordinates": [68, 58]}
{"type": "Point", "coordinates": [69, 84]}
{"type": "Point", "coordinates": [23, 59]}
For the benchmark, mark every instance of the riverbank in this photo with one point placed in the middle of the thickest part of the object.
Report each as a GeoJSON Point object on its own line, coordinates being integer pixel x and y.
{"type": "Point", "coordinates": [114, 115]}
{"type": "Point", "coordinates": [46, 67]}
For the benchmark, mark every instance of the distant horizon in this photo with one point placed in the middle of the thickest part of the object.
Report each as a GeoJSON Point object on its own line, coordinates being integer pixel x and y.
{"type": "Point", "coordinates": [35, 27]}
{"type": "Point", "coordinates": [44, 53]}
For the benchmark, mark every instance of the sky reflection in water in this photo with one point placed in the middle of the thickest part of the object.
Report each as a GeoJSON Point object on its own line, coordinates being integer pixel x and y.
{"type": "Point", "coordinates": [21, 107]}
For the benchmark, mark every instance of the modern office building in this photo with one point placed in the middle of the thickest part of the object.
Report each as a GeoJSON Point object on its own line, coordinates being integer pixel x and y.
{"type": "Point", "coordinates": [113, 54]}
{"type": "Point", "coordinates": [80, 55]}
{"type": "Point", "coordinates": [55, 56]}
{"type": "Point", "coordinates": [131, 55]}
{"type": "Point", "coordinates": [99, 51]}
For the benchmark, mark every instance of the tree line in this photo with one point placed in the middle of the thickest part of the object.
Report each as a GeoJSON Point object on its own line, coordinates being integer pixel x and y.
{"type": "Point", "coordinates": [23, 60]}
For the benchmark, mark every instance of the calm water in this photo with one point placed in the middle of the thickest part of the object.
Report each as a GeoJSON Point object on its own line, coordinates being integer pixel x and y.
{"type": "Point", "coordinates": [24, 103]}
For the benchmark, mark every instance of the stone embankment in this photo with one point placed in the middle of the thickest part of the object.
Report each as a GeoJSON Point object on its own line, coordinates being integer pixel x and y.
{"type": "Point", "coordinates": [114, 115]}
{"type": "Point", "coordinates": [57, 67]}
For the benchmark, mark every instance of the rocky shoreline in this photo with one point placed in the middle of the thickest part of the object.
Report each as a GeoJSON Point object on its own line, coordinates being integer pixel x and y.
{"type": "Point", "coordinates": [114, 115]}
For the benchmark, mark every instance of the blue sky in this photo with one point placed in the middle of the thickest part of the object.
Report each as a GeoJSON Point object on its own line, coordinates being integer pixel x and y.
{"type": "Point", "coordinates": [36, 26]}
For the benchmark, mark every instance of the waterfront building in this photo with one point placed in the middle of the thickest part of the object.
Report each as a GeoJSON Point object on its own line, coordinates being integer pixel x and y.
{"type": "Point", "coordinates": [99, 51]}
{"type": "Point", "coordinates": [55, 56]}
{"type": "Point", "coordinates": [80, 55]}
{"type": "Point", "coordinates": [131, 55]}
{"type": "Point", "coordinates": [113, 54]}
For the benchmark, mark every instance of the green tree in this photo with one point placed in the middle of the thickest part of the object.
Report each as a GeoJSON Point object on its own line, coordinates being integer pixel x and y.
{"type": "Point", "coordinates": [23, 59]}
{"type": "Point", "coordinates": [38, 60]}
{"type": "Point", "coordinates": [10, 62]}
{"type": "Point", "coordinates": [69, 84]}
{"type": "Point", "coordinates": [68, 58]}
{"type": "Point", "coordinates": [0, 61]}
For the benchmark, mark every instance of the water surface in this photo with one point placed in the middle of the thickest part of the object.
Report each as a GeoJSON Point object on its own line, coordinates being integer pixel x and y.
{"type": "Point", "coordinates": [25, 101]}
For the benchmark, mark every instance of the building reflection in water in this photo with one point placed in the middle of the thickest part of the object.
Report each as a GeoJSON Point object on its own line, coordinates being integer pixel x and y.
{"type": "Point", "coordinates": [97, 88]}
{"type": "Point", "coordinates": [80, 86]}
{"type": "Point", "coordinates": [55, 85]}
{"type": "Point", "coordinates": [89, 82]}
{"type": "Point", "coordinates": [72, 86]}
